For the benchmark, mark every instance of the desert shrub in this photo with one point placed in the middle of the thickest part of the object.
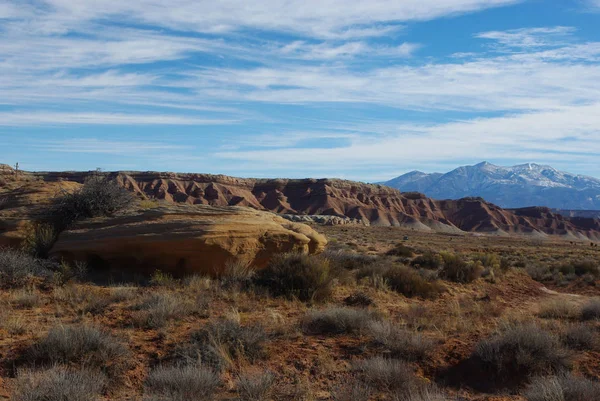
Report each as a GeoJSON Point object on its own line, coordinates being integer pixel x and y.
{"type": "Point", "coordinates": [401, 343]}
{"type": "Point", "coordinates": [580, 268]}
{"type": "Point", "coordinates": [182, 383]}
{"type": "Point", "coordinates": [255, 387]}
{"type": "Point", "coordinates": [338, 321]}
{"type": "Point", "coordinates": [63, 272]}
{"type": "Point", "coordinates": [156, 310]}
{"type": "Point", "coordinates": [401, 250]}
{"type": "Point", "coordinates": [85, 346]}
{"type": "Point", "coordinates": [307, 278]}
{"type": "Point", "coordinates": [348, 260]}
{"type": "Point", "coordinates": [520, 352]}
{"type": "Point", "coordinates": [564, 387]}
{"type": "Point", "coordinates": [428, 260]}
{"type": "Point", "coordinates": [352, 392]}
{"type": "Point", "coordinates": [39, 239]}
{"type": "Point", "coordinates": [18, 269]}
{"type": "Point", "coordinates": [458, 270]}
{"type": "Point", "coordinates": [237, 273]}
{"type": "Point", "coordinates": [99, 196]}
{"type": "Point", "coordinates": [59, 384]}
{"type": "Point", "coordinates": [489, 260]}
{"type": "Point", "coordinates": [428, 393]}
{"type": "Point", "coordinates": [591, 310]}
{"type": "Point", "coordinates": [83, 299]}
{"type": "Point", "coordinates": [556, 309]}
{"type": "Point", "coordinates": [221, 342]}
{"type": "Point", "coordinates": [388, 375]}
{"type": "Point", "coordinates": [358, 299]}
{"type": "Point", "coordinates": [410, 283]}
{"type": "Point", "coordinates": [580, 337]}
{"type": "Point", "coordinates": [26, 298]}
{"type": "Point", "coordinates": [161, 279]}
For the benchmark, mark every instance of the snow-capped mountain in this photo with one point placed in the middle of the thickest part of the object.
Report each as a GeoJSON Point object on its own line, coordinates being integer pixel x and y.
{"type": "Point", "coordinates": [509, 187]}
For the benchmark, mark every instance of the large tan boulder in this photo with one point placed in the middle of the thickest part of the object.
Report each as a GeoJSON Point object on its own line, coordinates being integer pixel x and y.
{"type": "Point", "coordinates": [185, 239]}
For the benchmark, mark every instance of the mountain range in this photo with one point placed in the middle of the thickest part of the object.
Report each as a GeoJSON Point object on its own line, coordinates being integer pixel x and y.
{"type": "Point", "coordinates": [509, 187]}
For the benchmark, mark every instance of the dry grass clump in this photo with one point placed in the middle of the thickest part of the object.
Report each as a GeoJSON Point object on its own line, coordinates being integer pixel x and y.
{"type": "Point", "coordinates": [59, 384]}
{"type": "Point", "coordinates": [307, 278]}
{"type": "Point", "coordinates": [237, 273]}
{"type": "Point", "coordinates": [401, 343]}
{"type": "Point", "coordinates": [220, 343]}
{"type": "Point", "coordinates": [26, 298]}
{"type": "Point", "coordinates": [388, 375]}
{"type": "Point", "coordinates": [157, 309]}
{"type": "Point", "coordinates": [591, 310]}
{"type": "Point", "coordinates": [564, 387]}
{"type": "Point", "coordinates": [256, 387]}
{"type": "Point", "coordinates": [348, 260]}
{"type": "Point", "coordinates": [181, 383]}
{"type": "Point", "coordinates": [352, 392]}
{"type": "Point", "coordinates": [18, 269]}
{"type": "Point", "coordinates": [558, 309]}
{"type": "Point", "coordinates": [83, 299]}
{"type": "Point", "coordinates": [580, 337]}
{"type": "Point", "coordinates": [458, 270]}
{"type": "Point", "coordinates": [337, 320]}
{"type": "Point", "coordinates": [521, 351]}
{"type": "Point", "coordinates": [84, 346]}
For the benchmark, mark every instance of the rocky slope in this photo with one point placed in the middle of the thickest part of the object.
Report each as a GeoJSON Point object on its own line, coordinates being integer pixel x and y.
{"type": "Point", "coordinates": [511, 187]}
{"type": "Point", "coordinates": [370, 204]}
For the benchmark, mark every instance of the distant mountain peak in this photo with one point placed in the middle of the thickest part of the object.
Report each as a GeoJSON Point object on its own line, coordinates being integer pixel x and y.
{"type": "Point", "coordinates": [523, 185]}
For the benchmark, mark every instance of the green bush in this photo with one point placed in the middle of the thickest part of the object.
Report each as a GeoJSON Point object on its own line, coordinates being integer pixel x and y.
{"type": "Point", "coordinates": [458, 270]}
{"type": "Point", "coordinates": [401, 250]}
{"type": "Point", "coordinates": [295, 275]}
{"type": "Point", "coordinates": [428, 260]}
{"type": "Point", "coordinates": [410, 283]}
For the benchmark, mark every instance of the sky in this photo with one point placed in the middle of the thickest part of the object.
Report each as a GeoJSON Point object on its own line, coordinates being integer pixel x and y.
{"type": "Point", "coordinates": [363, 90]}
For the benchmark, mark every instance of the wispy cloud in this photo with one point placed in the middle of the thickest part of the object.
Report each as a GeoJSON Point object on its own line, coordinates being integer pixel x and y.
{"type": "Point", "coordinates": [99, 146]}
{"type": "Point", "coordinates": [15, 119]}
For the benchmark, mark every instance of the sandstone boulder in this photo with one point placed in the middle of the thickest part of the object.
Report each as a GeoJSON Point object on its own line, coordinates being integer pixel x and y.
{"type": "Point", "coordinates": [185, 239]}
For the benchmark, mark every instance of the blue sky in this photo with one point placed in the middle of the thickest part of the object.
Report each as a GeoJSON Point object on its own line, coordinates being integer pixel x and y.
{"type": "Point", "coordinates": [364, 90]}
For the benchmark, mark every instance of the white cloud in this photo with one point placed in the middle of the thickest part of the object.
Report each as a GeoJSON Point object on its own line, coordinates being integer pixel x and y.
{"type": "Point", "coordinates": [317, 18]}
{"type": "Point", "coordinates": [93, 145]}
{"type": "Point", "coordinates": [327, 51]}
{"type": "Point", "coordinates": [530, 37]}
{"type": "Point", "coordinates": [15, 119]}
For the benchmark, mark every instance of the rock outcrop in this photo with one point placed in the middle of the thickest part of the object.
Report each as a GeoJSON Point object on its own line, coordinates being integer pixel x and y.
{"type": "Point", "coordinates": [185, 239]}
{"type": "Point", "coordinates": [343, 201]}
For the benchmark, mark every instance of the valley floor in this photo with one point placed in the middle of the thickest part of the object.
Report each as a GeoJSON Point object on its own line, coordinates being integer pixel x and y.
{"type": "Point", "coordinates": [155, 322]}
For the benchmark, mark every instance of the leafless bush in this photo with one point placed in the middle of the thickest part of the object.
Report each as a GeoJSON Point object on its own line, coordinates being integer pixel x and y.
{"type": "Point", "coordinates": [522, 351]}
{"type": "Point", "coordinates": [591, 310]}
{"type": "Point", "coordinates": [181, 383]}
{"type": "Point", "coordinates": [85, 346]}
{"type": "Point", "coordinates": [18, 269]}
{"type": "Point", "coordinates": [57, 384]}
{"type": "Point", "coordinates": [99, 196]}
{"type": "Point", "coordinates": [156, 310]}
{"type": "Point", "coordinates": [564, 387]}
{"type": "Point", "coordinates": [388, 375]}
{"type": "Point", "coordinates": [255, 387]}
{"type": "Point", "coordinates": [338, 321]}
{"type": "Point", "coordinates": [352, 392]}
{"type": "Point", "coordinates": [400, 342]}
{"type": "Point", "coordinates": [580, 337]}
